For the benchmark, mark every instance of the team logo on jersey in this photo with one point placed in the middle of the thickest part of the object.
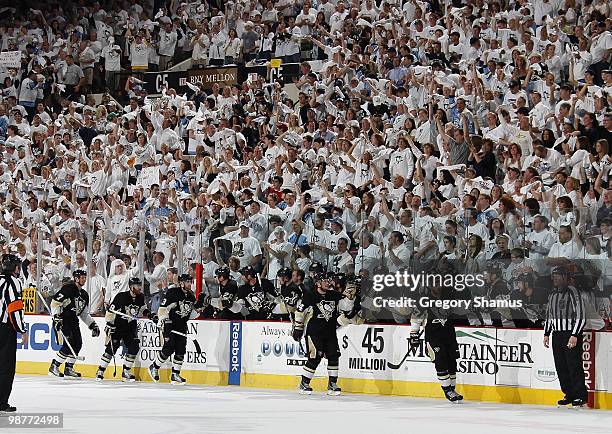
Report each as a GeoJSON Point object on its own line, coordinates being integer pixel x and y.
{"type": "Point", "coordinates": [133, 310]}
{"type": "Point", "coordinates": [79, 305]}
{"type": "Point", "coordinates": [256, 300]}
{"type": "Point", "coordinates": [326, 308]}
{"type": "Point", "coordinates": [184, 308]}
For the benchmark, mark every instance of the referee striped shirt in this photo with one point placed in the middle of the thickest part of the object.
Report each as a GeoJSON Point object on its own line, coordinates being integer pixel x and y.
{"type": "Point", "coordinates": [11, 304]}
{"type": "Point", "coordinates": [565, 312]}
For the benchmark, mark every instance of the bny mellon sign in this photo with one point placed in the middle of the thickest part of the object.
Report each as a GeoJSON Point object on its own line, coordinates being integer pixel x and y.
{"type": "Point", "coordinates": [209, 76]}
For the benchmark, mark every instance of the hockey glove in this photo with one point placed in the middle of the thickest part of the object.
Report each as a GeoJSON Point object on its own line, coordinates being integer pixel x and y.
{"type": "Point", "coordinates": [415, 339]}
{"type": "Point", "coordinates": [226, 303]}
{"type": "Point", "coordinates": [109, 329]}
{"type": "Point", "coordinates": [202, 303]}
{"type": "Point", "coordinates": [95, 330]}
{"type": "Point", "coordinates": [165, 327]}
{"type": "Point", "coordinates": [297, 333]}
{"type": "Point", "coordinates": [57, 323]}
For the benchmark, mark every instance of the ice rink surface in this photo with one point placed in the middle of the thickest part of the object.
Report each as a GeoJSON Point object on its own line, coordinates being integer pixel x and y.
{"type": "Point", "coordinates": [113, 407]}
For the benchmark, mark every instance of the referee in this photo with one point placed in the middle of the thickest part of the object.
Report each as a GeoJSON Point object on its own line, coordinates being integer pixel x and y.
{"type": "Point", "coordinates": [565, 319]}
{"type": "Point", "coordinates": [11, 323]}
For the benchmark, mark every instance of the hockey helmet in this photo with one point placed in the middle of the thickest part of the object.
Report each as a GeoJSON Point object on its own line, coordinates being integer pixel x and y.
{"type": "Point", "coordinates": [317, 268]}
{"type": "Point", "coordinates": [185, 278]}
{"type": "Point", "coordinates": [10, 263]}
{"type": "Point", "coordinates": [496, 268]}
{"type": "Point", "coordinates": [354, 279]}
{"type": "Point", "coordinates": [248, 271]}
{"type": "Point", "coordinates": [223, 272]}
{"type": "Point", "coordinates": [526, 278]}
{"type": "Point", "coordinates": [319, 276]}
{"type": "Point", "coordinates": [284, 272]}
{"type": "Point", "coordinates": [558, 270]}
{"type": "Point", "coordinates": [78, 273]}
{"type": "Point", "coordinates": [339, 279]}
{"type": "Point", "coordinates": [135, 281]}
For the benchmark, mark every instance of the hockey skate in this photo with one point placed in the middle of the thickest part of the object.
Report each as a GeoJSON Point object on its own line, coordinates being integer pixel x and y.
{"type": "Point", "coordinates": [69, 372]}
{"type": "Point", "coordinates": [304, 389]}
{"type": "Point", "coordinates": [451, 395]}
{"type": "Point", "coordinates": [563, 402]}
{"type": "Point", "coordinates": [127, 376]}
{"type": "Point", "coordinates": [175, 378]}
{"type": "Point", "coordinates": [8, 409]}
{"type": "Point", "coordinates": [154, 373]}
{"type": "Point", "coordinates": [54, 371]}
{"type": "Point", "coordinates": [579, 403]}
{"type": "Point", "coordinates": [333, 389]}
{"type": "Point", "coordinates": [100, 375]}
{"type": "Point", "coordinates": [459, 396]}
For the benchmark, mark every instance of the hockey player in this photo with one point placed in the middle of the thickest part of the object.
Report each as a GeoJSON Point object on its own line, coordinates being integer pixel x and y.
{"type": "Point", "coordinates": [350, 305]}
{"type": "Point", "coordinates": [68, 305]}
{"type": "Point", "coordinates": [121, 326]}
{"type": "Point", "coordinates": [315, 269]}
{"type": "Point", "coordinates": [256, 295]}
{"type": "Point", "coordinates": [227, 294]}
{"type": "Point", "coordinates": [174, 312]}
{"type": "Point", "coordinates": [290, 294]}
{"type": "Point", "coordinates": [440, 339]}
{"type": "Point", "coordinates": [317, 313]}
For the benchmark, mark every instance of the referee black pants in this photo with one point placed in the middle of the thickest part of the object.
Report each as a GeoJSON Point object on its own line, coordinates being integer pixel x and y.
{"type": "Point", "coordinates": [568, 363]}
{"type": "Point", "coordinates": [8, 360]}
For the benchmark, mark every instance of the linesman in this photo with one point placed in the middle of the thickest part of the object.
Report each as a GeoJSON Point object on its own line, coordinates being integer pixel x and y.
{"type": "Point", "coordinates": [565, 320]}
{"type": "Point", "coordinates": [11, 323]}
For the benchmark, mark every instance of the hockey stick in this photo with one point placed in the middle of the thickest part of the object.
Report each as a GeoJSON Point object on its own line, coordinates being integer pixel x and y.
{"type": "Point", "coordinates": [397, 366]}
{"type": "Point", "coordinates": [74, 355]}
{"type": "Point", "coordinates": [197, 346]}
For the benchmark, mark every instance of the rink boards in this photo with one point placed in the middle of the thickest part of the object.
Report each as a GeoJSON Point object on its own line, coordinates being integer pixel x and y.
{"type": "Point", "coordinates": [497, 365]}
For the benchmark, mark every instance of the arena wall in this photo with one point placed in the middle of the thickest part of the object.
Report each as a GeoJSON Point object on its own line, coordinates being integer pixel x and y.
{"type": "Point", "coordinates": [495, 365]}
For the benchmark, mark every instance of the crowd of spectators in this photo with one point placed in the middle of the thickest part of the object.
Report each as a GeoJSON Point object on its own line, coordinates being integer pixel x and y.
{"type": "Point", "coordinates": [463, 137]}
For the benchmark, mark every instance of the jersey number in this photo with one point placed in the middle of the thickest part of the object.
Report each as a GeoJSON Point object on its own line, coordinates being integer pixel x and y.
{"type": "Point", "coordinates": [373, 340]}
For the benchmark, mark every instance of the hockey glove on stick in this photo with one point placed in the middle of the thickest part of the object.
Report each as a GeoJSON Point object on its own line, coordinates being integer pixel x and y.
{"type": "Point", "coordinates": [109, 329]}
{"type": "Point", "coordinates": [297, 333]}
{"type": "Point", "coordinates": [57, 326]}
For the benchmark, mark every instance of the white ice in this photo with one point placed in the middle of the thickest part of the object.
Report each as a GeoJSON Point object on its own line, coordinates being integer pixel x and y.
{"type": "Point", "coordinates": [113, 407]}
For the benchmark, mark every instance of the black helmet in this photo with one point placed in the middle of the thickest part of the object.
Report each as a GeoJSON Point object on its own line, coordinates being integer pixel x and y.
{"type": "Point", "coordinates": [248, 271]}
{"type": "Point", "coordinates": [527, 278]}
{"type": "Point", "coordinates": [284, 272]}
{"type": "Point", "coordinates": [317, 268]}
{"type": "Point", "coordinates": [354, 279]}
{"type": "Point", "coordinates": [185, 278]}
{"type": "Point", "coordinates": [339, 279]}
{"type": "Point", "coordinates": [223, 271]}
{"type": "Point", "coordinates": [321, 276]}
{"type": "Point", "coordinates": [496, 268]}
{"type": "Point", "coordinates": [78, 273]}
{"type": "Point", "coordinates": [559, 270]}
{"type": "Point", "coordinates": [10, 263]}
{"type": "Point", "coordinates": [135, 281]}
